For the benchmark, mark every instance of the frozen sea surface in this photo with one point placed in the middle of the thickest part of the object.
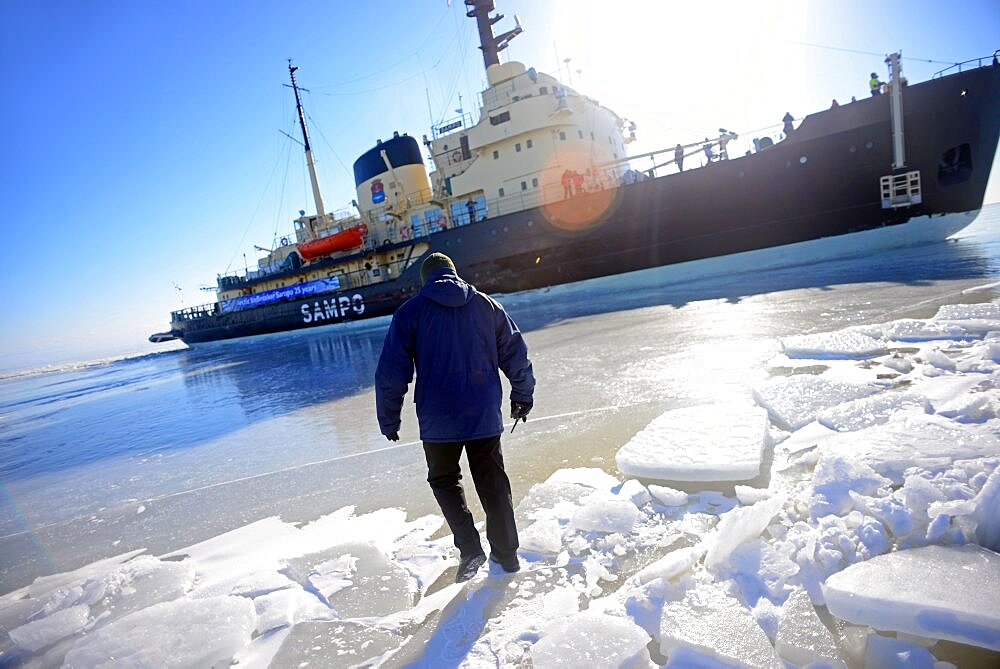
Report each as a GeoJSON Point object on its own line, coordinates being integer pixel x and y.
{"type": "Point", "coordinates": [252, 471]}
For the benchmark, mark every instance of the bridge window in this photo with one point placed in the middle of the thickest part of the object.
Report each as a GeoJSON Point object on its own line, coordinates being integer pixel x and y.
{"type": "Point", "coordinates": [529, 143]}
{"type": "Point", "coordinates": [496, 154]}
{"type": "Point", "coordinates": [500, 118]}
{"type": "Point", "coordinates": [517, 147]}
{"type": "Point", "coordinates": [562, 135]}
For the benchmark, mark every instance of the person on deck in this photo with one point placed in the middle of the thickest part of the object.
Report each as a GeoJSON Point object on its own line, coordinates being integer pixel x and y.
{"type": "Point", "coordinates": [875, 85]}
{"type": "Point", "coordinates": [679, 157]}
{"type": "Point", "coordinates": [707, 148]}
{"type": "Point", "coordinates": [567, 184]}
{"type": "Point", "coordinates": [788, 119]}
{"type": "Point", "coordinates": [459, 340]}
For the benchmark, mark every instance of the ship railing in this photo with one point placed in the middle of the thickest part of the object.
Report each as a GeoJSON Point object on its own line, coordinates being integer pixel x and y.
{"type": "Point", "coordinates": [194, 313]}
{"type": "Point", "coordinates": [967, 64]}
{"type": "Point", "coordinates": [463, 120]}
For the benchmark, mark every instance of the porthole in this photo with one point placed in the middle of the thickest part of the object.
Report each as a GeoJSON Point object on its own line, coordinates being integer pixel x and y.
{"type": "Point", "coordinates": [803, 160]}
{"type": "Point", "coordinates": [853, 149]}
{"type": "Point", "coordinates": [506, 229]}
{"type": "Point", "coordinates": [493, 232]}
{"type": "Point", "coordinates": [530, 223]}
{"type": "Point", "coordinates": [869, 145]}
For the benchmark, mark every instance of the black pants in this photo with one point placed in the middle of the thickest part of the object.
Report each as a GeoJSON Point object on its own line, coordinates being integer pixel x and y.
{"type": "Point", "coordinates": [492, 485]}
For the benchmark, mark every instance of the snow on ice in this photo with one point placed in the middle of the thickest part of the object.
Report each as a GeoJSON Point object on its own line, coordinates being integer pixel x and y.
{"type": "Point", "coordinates": [688, 445]}
{"type": "Point", "coordinates": [870, 535]}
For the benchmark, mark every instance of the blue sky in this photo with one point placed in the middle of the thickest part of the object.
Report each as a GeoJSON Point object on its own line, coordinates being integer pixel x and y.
{"type": "Point", "coordinates": [141, 145]}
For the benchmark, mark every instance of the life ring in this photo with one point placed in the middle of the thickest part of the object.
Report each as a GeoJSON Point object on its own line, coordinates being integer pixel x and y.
{"type": "Point", "coordinates": [406, 232]}
{"type": "Point", "coordinates": [456, 157]}
{"type": "Point", "coordinates": [284, 241]}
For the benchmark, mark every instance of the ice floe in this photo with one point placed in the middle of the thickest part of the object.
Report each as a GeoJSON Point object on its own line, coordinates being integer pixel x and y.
{"type": "Point", "coordinates": [700, 443]}
{"type": "Point", "coordinates": [840, 344]}
{"type": "Point", "coordinates": [940, 592]}
{"type": "Point", "coordinates": [794, 401]}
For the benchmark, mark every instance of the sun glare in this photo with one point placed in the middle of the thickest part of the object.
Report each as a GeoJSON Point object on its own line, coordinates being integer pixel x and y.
{"type": "Point", "coordinates": [680, 69]}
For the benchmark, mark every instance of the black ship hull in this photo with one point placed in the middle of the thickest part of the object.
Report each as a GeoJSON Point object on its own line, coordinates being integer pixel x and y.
{"type": "Point", "coordinates": [822, 181]}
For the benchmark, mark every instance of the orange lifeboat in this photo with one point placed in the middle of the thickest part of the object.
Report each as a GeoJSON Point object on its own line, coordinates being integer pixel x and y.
{"type": "Point", "coordinates": [344, 240]}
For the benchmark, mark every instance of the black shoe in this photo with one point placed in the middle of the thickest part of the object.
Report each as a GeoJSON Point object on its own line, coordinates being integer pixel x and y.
{"type": "Point", "coordinates": [468, 566]}
{"type": "Point", "coordinates": [509, 565]}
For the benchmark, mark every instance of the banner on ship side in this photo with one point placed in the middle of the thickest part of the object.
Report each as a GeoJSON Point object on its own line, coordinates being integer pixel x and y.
{"type": "Point", "coordinates": [287, 293]}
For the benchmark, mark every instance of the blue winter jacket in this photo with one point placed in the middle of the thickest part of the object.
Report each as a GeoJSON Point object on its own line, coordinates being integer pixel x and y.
{"type": "Point", "coordinates": [458, 338]}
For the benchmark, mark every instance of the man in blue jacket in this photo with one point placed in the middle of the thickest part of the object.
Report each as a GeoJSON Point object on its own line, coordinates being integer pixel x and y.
{"type": "Point", "coordinates": [458, 339]}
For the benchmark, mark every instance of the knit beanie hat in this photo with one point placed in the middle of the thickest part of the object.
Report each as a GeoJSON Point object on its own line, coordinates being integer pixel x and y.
{"type": "Point", "coordinates": [434, 261]}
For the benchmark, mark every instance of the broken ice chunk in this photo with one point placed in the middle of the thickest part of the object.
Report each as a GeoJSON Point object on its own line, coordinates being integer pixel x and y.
{"type": "Point", "coordinates": [45, 631]}
{"type": "Point", "coordinates": [796, 400]}
{"type": "Point", "coordinates": [376, 586]}
{"type": "Point", "coordinates": [886, 653]}
{"type": "Point", "coordinates": [600, 512]}
{"type": "Point", "coordinates": [672, 564]}
{"type": "Point", "coordinates": [810, 436]}
{"type": "Point", "coordinates": [835, 476]}
{"type": "Point", "coordinates": [550, 500]}
{"type": "Point", "coordinates": [940, 592]}
{"type": "Point", "coordinates": [748, 495]}
{"type": "Point", "coordinates": [738, 525]}
{"type": "Point", "coordinates": [987, 512]}
{"type": "Point", "coordinates": [970, 408]}
{"type": "Point", "coordinates": [898, 363]}
{"type": "Point", "coordinates": [712, 442]}
{"type": "Point", "coordinates": [913, 330]}
{"type": "Point", "coordinates": [959, 312]}
{"type": "Point", "coordinates": [873, 410]}
{"type": "Point", "coordinates": [542, 536]}
{"type": "Point", "coordinates": [590, 477]}
{"type": "Point", "coordinates": [802, 636]}
{"type": "Point", "coordinates": [287, 607]}
{"type": "Point", "coordinates": [832, 345]}
{"type": "Point", "coordinates": [179, 633]}
{"type": "Point", "coordinates": [938, 359]}
{"type": "Point", "coordinates": [332, 576]}
{"type": "Point", "coordinates": [711, 622]}
{"type": "Point", "coordinates": [591, 639]}
{"type": "Point", "coordinates": [635, 492]}
{"type": "Point", "coordinates": [913, 439]}
{"type": "Point", "coordinates": [668, 496]}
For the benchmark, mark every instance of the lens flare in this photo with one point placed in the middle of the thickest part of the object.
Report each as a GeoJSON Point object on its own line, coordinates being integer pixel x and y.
{"type": "Point", "coordinates": [579, 188]}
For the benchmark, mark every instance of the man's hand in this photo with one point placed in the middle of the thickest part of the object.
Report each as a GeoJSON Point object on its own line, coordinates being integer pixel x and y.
{"type": "Point", "coordinates": [393, 437]}
{"type": "Point", "coordinates": [519, 410]}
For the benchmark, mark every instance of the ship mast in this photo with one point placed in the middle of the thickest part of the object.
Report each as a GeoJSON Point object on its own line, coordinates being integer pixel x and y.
{"type": "Point", "coordinates": [490, 45]}
{"type": "Point", "coordinates": [317, 198]}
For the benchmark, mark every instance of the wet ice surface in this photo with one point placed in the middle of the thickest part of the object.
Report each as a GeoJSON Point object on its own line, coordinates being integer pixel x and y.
{"type": "Point", "coordinates": [239, 500]}
{"type": "Point", "coordinates": [875, 525]}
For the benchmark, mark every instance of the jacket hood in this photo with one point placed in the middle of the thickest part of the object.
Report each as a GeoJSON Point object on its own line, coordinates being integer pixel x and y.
{"type": "Point", "coordinates": [447, 289]}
